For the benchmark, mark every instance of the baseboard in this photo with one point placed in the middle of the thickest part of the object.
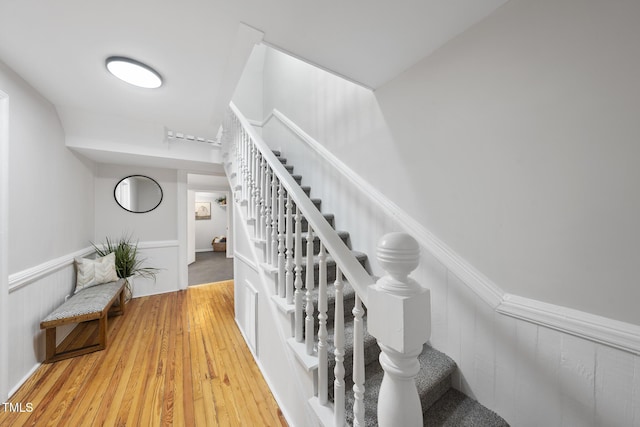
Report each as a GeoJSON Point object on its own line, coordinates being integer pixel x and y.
{"type": "Point", "coordinates": [602, 330]}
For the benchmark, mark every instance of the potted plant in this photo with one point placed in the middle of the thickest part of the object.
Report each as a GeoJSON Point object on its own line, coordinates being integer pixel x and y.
{"type": "Point", "coordinates": [128, 260]}
{"type": "Point", "coordinates": [222, 201]}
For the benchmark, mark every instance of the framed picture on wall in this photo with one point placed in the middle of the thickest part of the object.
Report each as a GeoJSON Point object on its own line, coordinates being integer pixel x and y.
{"type": "Point", "coordinates": [203, 210]}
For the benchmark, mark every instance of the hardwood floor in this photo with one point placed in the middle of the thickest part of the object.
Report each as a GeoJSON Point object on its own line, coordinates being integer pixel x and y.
{"type": "Point", "coordinates": [172, 359]}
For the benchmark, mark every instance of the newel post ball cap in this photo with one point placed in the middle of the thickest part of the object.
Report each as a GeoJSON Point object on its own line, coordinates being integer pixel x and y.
{"type": "Point", "coordinates": [399, 254]}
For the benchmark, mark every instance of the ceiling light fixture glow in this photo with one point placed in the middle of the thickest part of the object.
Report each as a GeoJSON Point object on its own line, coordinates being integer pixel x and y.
{"type": "Point", "coordinates": [133, 72]}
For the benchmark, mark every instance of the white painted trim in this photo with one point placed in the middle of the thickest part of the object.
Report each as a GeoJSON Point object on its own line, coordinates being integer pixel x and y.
{"type": "Point", "coordinates": [25, 277]}
{"type": "Point", "coordinates": [255, 123]}
{"type": "Point", "coordinates": [158, 244]}
{"type": "Point", "coordinates": [183, 229]}
{"type": "Point", "coordinates": [308, 361]}
{"type": "Point", "coordinates": [599, 329]}
{"type": "Point", "coordinates": [324, 413]}
{"type": "Point", "coordinates": [4, 246]}
{"type": "Point", "coordinates": [603, 330]}
{"type": "Point", "coordinates": [246, 260]}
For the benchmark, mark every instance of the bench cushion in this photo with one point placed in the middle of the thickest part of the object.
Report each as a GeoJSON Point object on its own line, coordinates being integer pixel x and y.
{"type": "Point", "coordinates": [89, 300]}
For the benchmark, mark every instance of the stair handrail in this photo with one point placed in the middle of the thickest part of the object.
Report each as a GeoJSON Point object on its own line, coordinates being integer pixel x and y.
{"type": "Point", "coordinates": [355, 273]}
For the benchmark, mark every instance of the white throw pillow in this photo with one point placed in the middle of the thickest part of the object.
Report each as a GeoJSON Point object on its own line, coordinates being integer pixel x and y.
{"type": "Point", "coordinates": [91, 272]}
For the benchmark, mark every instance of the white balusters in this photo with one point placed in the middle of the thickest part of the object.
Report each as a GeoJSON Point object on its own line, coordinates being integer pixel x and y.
{"type": "Point", "coordinates": [309, 284]}
{"type": "Point", "coordinates": [251, 167]}
{"type": "Point", "coordinates": [281, 242]}
{"type": "Point", "coordinates": [267, 216]}
{"type": "Point", "coordinates": [289, 251]}
{"type": "Point", "coordinates": [358, 364]}
{"type": "Point", "coordinates": [395, 302]}
{"type": "Point", "coordinates": [245, 166]}
{"type": "Point", "coordinates": [274, 221]}
{"type": "Point", "coordinates": [255, 175]}
{"type": "Point", "coordinates": [263, 171]}
{"type": "Point", "coordinates": [322, 327]}
{"type": "Point", "coordinates": [338, 342]}
{"type": "Point", "coordinates": [298, 328]}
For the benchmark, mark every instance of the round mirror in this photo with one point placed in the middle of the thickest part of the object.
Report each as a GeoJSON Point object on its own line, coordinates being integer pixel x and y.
{"type": "Point", "coordinates": [138, 193]}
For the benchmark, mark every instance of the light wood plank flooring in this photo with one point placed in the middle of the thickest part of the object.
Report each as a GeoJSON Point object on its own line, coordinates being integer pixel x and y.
{"type": "Point", "coordinates": [172, 359]}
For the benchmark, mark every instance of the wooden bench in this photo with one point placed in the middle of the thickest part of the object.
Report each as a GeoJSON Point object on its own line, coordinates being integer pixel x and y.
{"type": "Point", "coordinates": [92, 303]}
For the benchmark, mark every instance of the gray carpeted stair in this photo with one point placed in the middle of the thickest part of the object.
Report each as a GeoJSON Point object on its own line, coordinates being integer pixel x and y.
{"type": "Point", "coordinates": [442, 405]}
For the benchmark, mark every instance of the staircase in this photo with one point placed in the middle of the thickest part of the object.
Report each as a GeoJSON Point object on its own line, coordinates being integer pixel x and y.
{"type": "Point", "coordinates": [346, 360]}
{"type": "Point", "coordinates": [442, 405]}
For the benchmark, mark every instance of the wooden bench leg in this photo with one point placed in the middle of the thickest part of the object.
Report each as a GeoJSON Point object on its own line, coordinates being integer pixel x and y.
{"type": "Point", "coordinates": [51, 343]}
{"type": "Point", "coordinates": [103, 332]}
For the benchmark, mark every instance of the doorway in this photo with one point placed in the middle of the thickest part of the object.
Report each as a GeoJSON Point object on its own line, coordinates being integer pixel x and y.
{"type": "Point", "coordinates": [209, 229]}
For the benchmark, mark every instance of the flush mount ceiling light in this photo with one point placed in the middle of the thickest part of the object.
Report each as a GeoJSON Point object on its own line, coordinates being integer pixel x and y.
{"type": "Point", "coordinates": [133, 72]}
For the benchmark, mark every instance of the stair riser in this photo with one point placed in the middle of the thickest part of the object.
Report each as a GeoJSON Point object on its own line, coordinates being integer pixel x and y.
{"type": "Point", "coordinates": [348, 303]}
{"type": "Point", "coordinates": [331, 272]}
{"type": "Point", "coordinates": [316, 244]}
{"type": "Point", "coordinates": [305, 223]}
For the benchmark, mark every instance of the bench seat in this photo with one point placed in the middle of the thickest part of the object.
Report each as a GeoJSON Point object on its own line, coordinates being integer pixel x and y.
{"type": "Point", "coordinates": [89, 304]}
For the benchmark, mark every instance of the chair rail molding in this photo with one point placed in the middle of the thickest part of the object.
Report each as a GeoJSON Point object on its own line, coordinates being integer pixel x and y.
{"type": "Point", "coordinates": [25, 277]}
{"type": "Point", "coordinates": [595, 328]}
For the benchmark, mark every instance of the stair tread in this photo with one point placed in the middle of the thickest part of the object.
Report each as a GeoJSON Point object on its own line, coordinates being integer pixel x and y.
{"type": "Point", "coordinates": [456, 409]}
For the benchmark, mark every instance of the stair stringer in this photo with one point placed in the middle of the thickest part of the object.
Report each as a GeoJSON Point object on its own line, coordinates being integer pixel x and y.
{"type": "Point", "coordinates": [291, 385]}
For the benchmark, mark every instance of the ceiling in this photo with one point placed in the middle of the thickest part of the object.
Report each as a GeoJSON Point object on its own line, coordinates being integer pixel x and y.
{"type": "Point", "coordinates": [200, 48]}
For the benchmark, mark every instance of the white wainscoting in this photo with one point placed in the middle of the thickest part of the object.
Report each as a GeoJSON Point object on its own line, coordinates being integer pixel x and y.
{"type": "Point", "coordinates": [29, 302]}
{"type": "Point", "coordinates": [533, 363]}
{"type": "Point", "coordinates": [35, 292]}
{"type": "Point", "coordinates": [165, 256]}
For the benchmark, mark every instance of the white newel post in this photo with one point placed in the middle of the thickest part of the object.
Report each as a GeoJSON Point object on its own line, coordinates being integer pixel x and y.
{"type": "Point", "coordinates": [399, 317]}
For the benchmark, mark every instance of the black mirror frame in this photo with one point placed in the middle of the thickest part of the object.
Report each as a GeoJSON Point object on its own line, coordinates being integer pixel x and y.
{"type": "Point", "coordinates": [143, 176]}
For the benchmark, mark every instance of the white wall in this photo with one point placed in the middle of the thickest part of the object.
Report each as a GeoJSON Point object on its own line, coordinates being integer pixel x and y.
{"type": "Point", "coordinates": [157, 231]}
{"type": "Point", "coordinates": [530, 120]}
{"type": "Point", "coordinates": [512, 145]}
{"type": "Point", "coordinates": [50, 206]}
{"type": "Point", "coordinates": [207, 229]}
{"type": "Point", "coordinates": [51, 188]}
{"type": "Point", "coordinates": [248, 94]}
